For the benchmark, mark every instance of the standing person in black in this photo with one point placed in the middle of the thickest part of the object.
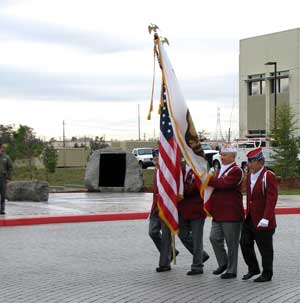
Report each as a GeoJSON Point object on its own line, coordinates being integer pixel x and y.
{"type": "Point", "coordinates": [5, 175]}
{"type": "Point", "coordinates": [158, 230]}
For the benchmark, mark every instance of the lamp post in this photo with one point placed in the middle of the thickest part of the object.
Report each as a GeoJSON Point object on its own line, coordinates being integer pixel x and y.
{"type": "Point", "coordinates": [275, 91]}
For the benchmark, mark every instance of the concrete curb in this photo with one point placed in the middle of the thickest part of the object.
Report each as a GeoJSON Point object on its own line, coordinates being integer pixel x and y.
{"type": "Point", "coordinates": [103, 217]}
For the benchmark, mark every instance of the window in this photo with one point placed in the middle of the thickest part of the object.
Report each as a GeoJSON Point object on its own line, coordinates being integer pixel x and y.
{"type": "Point", "coordinates": [206, 146]}
{"type": "Point", "coordinates": [284, 85]}
{"type": "Point", "coordinates": [282, 82]}
{"type": "Point", "coordinates": [143, 152]}
{"type": "Point", "coordinates": [256, 85]}
{"type": "Point", "coordinates": [256, 132]}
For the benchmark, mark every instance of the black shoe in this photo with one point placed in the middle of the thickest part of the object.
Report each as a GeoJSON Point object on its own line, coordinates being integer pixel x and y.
{"type": "Point", "coordinates": [195, 272]}
{"type": "Point", "coordinates": [219, 270]}
{"type": "Point", "coordinates": [262, 278]}
{"type": "Point", "coordinates": [205, 258]}
{"type": "Point", "coordinates": [163, 268]}
{"type": "Point", "coordinates": [250, 274]}
{"type": "Point", "coordinates": [228, 275]}
{"type": "Point", "coordinates": [2, 212]}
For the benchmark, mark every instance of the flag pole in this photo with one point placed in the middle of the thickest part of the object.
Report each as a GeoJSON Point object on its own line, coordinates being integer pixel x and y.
{"type": "Point", "coordinates": [173, 248]}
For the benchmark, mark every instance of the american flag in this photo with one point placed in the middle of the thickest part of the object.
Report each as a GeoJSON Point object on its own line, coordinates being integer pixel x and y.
{"type": "Point", "coordinates": [170, 182]}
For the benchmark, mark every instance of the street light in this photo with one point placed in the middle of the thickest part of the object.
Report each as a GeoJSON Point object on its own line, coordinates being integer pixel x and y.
{"type": "Point", "coordinates": [275, 91]}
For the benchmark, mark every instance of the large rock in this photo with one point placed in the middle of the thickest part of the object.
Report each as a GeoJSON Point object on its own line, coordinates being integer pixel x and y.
{"type": "Point", "coordinates": [36, 191]}
{"type": "Point", "coordinates": [113, 170]}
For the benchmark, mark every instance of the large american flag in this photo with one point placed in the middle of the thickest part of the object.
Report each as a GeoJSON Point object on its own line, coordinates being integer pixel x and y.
{"type": "Point", "coordinates": [169, 181]}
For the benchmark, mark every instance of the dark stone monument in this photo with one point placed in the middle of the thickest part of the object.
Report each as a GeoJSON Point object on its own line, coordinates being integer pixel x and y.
{"type": "Point", "coordinates": [113, 170]}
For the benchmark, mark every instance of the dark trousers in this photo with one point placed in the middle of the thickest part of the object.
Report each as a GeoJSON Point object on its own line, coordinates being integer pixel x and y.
{"type": "Point", "coordinates": [2, 193]}
{"type": "Point", "coordinates": [161, 236]}
{"type": "Point", "coordinates": [264, 242]}
{"type": "Point", "coordinates": [191, 236]}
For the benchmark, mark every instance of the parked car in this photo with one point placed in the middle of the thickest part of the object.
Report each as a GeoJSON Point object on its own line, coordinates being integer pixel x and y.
{"type": "Point", "coordinates": [144, 156]}
{"type": "Point", "coordinates": [209, 152]}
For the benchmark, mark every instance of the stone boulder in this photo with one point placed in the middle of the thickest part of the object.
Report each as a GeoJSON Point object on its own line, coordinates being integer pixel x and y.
{"type": "Point", "coordinates": [36, 191]}
{"type": "Point", "coordinates": [113, 170]}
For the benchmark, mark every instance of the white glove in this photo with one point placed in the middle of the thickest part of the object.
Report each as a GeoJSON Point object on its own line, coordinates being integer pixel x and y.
{"type": "Point", "coordinates": [263, 223]}
{"type": "Point", "coordinates": [211, 171]}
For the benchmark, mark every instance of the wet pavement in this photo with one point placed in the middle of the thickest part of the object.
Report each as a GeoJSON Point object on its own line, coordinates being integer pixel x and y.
{"type": "Point", "coordinates": [99, 203]}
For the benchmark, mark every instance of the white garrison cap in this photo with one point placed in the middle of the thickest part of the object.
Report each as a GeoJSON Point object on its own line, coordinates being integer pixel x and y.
{"type": "Point", "coordinates": [228, 148]}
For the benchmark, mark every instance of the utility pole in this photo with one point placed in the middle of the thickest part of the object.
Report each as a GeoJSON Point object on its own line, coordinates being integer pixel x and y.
{"type": "Point", "coordinates": [218, 134]}
{"type": "Point", "coordinates": [139, 122]}
{"type": "Point", "coordinates": [64, 139]}
{"type": "Point", "coordinates": [64, 146]}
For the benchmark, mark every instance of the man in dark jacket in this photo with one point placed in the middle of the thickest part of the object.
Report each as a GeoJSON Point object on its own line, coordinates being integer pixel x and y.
{"type": "Point", "coordinates": [260, 222]}
{"type": "Point", "coordinates": [191, 220]}
{"type": "Point", "coordinates": [5, 175]}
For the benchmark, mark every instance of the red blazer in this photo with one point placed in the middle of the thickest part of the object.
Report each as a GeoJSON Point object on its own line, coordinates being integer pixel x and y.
{"type": "Point", "coordinates": [262, 201]}
{"type": "Point", "coordinates": [155, 191]}
{"type": "Point", "coordinates": [226, 201]}
{"type": "Point", "coordinates": [191, 207]}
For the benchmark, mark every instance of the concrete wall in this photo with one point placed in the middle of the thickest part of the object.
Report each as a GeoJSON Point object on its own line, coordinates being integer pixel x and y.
{"type": "Point", "coordinates": [256, 116]}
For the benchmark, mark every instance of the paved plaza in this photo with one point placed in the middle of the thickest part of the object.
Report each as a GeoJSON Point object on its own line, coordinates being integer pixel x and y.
{"type": "Point", "coordinates": [115, 262]}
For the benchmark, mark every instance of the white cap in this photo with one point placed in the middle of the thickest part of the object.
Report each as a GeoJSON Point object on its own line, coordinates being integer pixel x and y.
{"type": "Point", "coordinates": [228, 148]}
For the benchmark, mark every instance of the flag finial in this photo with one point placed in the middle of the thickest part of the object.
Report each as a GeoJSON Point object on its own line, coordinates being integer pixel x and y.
{"type": "Point", "coordinates": [152, 27]}
{"type": "Point", "coordinates": [164, 40]}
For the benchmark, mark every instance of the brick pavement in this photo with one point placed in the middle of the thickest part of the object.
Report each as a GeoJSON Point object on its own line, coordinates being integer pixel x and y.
{"type": "Point", "coordinates": [115, 262]}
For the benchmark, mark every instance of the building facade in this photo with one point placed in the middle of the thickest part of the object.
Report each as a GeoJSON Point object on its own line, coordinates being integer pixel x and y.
{"type": "Point", "coordinates": [259, 103]}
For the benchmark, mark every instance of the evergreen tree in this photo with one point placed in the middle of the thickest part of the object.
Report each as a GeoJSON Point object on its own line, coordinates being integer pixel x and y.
{"type": "Point", "coordinates": [286, 148]}
{"type": "Point", "coordinates": [50, 158]}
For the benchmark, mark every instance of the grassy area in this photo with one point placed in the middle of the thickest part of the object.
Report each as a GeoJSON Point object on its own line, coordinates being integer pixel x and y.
{"type": "Point", "coordinates": [74, 177]}
{"type": "Point", "coordinates": [148, 177]}
{"type": "Point", "coordinates": [62, 176]}
{"type": "Point", "coordinates": [289, 192]}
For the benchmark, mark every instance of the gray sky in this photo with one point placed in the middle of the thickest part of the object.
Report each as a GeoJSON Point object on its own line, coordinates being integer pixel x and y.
{"type": "Point", "coordinates": [90, 62]}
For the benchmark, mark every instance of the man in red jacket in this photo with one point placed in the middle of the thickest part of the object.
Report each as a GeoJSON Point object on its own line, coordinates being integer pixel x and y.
{"type": "Point", "coordinates": [191, 220]}
{"type": "Point", "coordinates": [226, 208]}
{"type": "Point", "coordinates": [260, 222]}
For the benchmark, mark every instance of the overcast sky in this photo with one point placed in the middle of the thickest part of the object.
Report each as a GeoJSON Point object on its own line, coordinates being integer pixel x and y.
{"type": "Point", "coordinates": [89, 62]}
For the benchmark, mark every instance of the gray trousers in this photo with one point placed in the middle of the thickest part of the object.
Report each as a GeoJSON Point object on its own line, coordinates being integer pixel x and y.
{"type": "Point", "coordinates": [2, 192]}
{"type": "Point", "coordinates": [161, 236]}
{"type": "Point", "coordinates": [228, 232]}
{"type": "Point", "coordinates": [191, 235]}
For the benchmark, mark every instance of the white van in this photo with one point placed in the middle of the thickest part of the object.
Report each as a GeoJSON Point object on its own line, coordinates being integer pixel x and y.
{"type": "Point", "coordinates": [144, 156]}
{"type": "Point", "coordinates": [243, 147]}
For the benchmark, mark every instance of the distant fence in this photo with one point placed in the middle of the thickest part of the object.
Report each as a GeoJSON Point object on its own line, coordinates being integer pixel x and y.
{"type": "Point", "coordinates": [72, 157]}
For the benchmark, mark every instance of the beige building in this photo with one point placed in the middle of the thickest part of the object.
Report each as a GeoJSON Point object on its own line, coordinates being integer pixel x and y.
{"type": "Point", "coordinates": [256, 80]}
{"type": "Point", "coordinates": [129, 145]}
{"type": "Point", "coordinates": [72, 157]}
